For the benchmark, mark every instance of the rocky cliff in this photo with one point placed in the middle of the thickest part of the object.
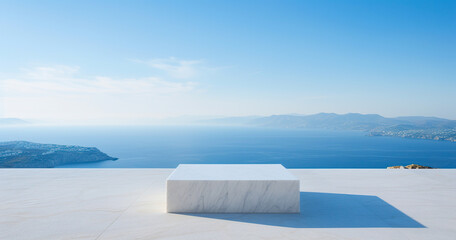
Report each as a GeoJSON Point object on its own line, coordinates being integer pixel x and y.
{"type": "Point", "coordinates": [411, 166]}
{"type": "Point", "coordinates": [22, 154]}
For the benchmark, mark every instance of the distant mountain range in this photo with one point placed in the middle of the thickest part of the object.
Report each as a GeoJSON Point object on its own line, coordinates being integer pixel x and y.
{"type": "Point", "coordinates": [333, 121]}
{"type": "Point", "coordinates": [374, 124]}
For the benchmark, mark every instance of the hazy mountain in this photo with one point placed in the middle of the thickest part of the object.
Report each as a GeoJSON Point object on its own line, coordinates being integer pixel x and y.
{"type": "Point", "coordinates": [231, 120]}
{"type": "Point", "coordinates": [429, 122]}
{"type": "Point", "coordinates": [350, 121]}
{"type": "Point", "coordinates": [333, 121]}
{"type": "Point", "coordinates": [376, 125]}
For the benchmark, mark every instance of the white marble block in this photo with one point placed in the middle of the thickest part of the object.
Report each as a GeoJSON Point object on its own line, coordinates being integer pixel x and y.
{"type": "Point", "coordinates": [232, 188]}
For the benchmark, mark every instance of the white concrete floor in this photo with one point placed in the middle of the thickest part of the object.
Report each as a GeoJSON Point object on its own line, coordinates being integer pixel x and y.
{"type": "Point", "coordinates": [130, 204]}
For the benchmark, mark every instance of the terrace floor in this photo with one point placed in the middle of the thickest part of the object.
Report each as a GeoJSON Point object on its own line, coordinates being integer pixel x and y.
{"type": "Point", "coordinates": [130, 204]}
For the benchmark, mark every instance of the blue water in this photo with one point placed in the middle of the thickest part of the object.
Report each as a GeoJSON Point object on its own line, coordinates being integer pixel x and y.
{"type": "Point", "coordinates": [166, 147]}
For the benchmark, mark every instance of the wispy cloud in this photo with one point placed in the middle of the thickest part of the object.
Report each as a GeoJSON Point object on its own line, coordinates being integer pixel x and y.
{"type": "Point", "coordinates": [50, 73]}
{"type": "Point", "coordinates": [176, 68]}
{"type": "Point", "coordinates": [61, 93]}
{"type": "Point", "coordinates": [63, 80]}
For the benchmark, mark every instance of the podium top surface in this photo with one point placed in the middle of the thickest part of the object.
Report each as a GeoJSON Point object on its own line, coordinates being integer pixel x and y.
{"type": "Point", "coordinates": [231, 172]}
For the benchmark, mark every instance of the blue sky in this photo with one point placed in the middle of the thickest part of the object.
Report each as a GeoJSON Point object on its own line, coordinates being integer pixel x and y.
{"type": "Point", "coordinates": [127, 60]}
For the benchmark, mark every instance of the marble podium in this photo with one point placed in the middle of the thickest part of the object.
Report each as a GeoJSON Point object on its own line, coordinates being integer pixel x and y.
{"type": "Point", "coordinates": [232, 188]}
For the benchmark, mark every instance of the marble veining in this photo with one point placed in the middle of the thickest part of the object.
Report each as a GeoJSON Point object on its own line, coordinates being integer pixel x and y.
{"type": "Point", "coordinates": [194, 190]}
{"type": "Point", "coordinates": [118, 204]}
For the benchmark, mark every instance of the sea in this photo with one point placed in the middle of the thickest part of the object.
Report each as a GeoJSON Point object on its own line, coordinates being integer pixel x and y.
{"type": "Point", "coordinates": [169, 146]}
